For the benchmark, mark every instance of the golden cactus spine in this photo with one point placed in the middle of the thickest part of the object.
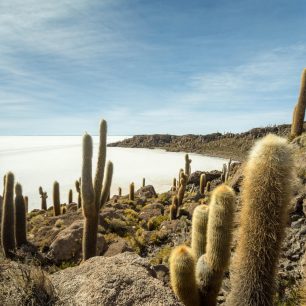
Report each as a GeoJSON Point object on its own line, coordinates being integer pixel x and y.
{"type": "Point", "coordinates": [20, 217]}
{"type": "Point", "coordinates": [266, 195]}
{"type": "Point", "coordinates": [7, 222]}
{"type": "Point", "coordinates": [56, 199]}
{"type": "Point", "coordinates": [211, 266]}
{"type": "Point", "coordinates": [299, 110]}
{"type": "Point", "coordinates": [203, 182]}
{"type": "Point", "coordinates": [93, 197]}
{"type": "Point", "coordinates": [132, 192]}
{"type": "Point", "coordinates": [182, 275]}
{"type": "Point", "coordinates": [199, 229]}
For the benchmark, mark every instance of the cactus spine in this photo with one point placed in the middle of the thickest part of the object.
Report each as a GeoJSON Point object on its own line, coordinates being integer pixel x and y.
{"type": "Point", "coordinates": [202, 183]}
{"type": "Point", "coordinates": [70, 196]}
{"type": "Point", "coordinates": [7, 222]}
{"type": "Point", "coordinates": [211, 266]}
{"type": "Point", "coordinates": [78, 189]}
{"type": "Point", "coordinates": [56, 199]}
{"type": "Point", "coordinates": [93, 198]}
{"type": "Point", "coordinates": [182, 275]}
{"type": "Point", "coordinates": [187, 165]}
{"type": "Point", "coordinates": [199, 228]}
{"type": "Point", "coordinates": [173, 208]}
{"type": "Point", "coordinates": [266, 194]}
{"type": "Point", "coordinates": [299, 110]}
{"type": "Point", "coordinates": [20, 217]}
{"type": "Point", "coordinates": [44, 197]}
{"type": "Point", "coordinates": [132, 192]}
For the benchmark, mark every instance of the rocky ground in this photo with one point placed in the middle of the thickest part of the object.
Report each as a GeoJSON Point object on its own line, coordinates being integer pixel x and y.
{"type": "Point", "coordinates": [134, 242]}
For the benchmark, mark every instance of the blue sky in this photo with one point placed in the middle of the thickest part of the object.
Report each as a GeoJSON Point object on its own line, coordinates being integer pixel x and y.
{"type": "Point", "coordinates": [162, 66]}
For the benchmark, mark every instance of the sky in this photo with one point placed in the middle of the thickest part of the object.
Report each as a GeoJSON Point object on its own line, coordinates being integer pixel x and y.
{"type": "Point", "coordinates": [162, 66]}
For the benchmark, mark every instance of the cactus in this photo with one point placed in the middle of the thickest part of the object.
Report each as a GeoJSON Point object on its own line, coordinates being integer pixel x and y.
{"type": "Point", "coordinates": [299, 110]}
{"type": "Point", "coordinates": [208, 187]}
{"type": "Point", "coordinates": [187, 165]}
{"type": "Point", "coordinates": [20, 217]}
{"type": "Point", "coordinates": [93, 197]}
{"type": "Point", "coordinates": [44, 197]}
{"type": "Point", "coordinates": [267, 190]}
{"type": "Point", "coordinates": [26, 203]}
{"type": "Point", "coordinates": [7, 222]}
{"type": "Point", "coordinates": [120, 191]}
{"type": "Point", "coordinates": [56, 199]}
{"type": "Point", "coordinates": [199, 228]}
{"type": "Point", "coordinates": [78, 189]}
{"type": "Point", "coordinates": [132, 192]}
{"type": "Point", "coordinates": [173, 208]}
{"type": "Point", "coordinates": [64, 210]}
{"type": "Point", "coordinates": [211, 266]}
{"type": "Point", "coordinates": [202, 183]}
{"type": "Point", "coordinates": [173, 188]}
{"type": "Point", "coordinates": [70, 196]}
{"type": "Point", "coordinates": [143, 182]}
{"type": "Point", "coordinates": [182, 275]}
{"type": "Point", "coordinates": [181, 191]}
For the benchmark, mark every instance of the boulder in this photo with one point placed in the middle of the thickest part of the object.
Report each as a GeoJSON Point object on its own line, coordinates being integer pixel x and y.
{"type": "Point", "coordinates": [125, 279]}
{"type": "Point", "coordinates": [117, 247]}
{"type": "Point", "coordinates": [68, 243]}
{"type": "Point", "coordinates": [194, 177]}
{"type": "Point", "coordinates": [146, 191]}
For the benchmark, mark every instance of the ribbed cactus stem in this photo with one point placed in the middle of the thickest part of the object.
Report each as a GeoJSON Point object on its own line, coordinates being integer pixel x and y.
{"type": "Point", "coordinates": [187, 165]}
{"type": "Point", "coordinates": [26, 203]}
{"type": "Point", "coordinates": [181, 191]}
{"type": "Point", "coordinates": [267, 191]}
{"type": "Point", "coordinates": [20, 217]}
{"type": "Point", "coordinates": [119, 191]}
{"type": "Point", "coordinates": [7, 222]}
{"type": "Point", "coordinates": [299, 110]}
{"type": "Point", "coordinates": [173, 188]}
{"type": "Point", "coordinates": [78, 189]}
{"type": "Point", "coordinates": [70, 196]}
{"type": "Point", "coordinates": [43, 196]}
{"type": "Point", "coordinates": [173, 208]}
{"type": "Point", "coordinates": [211, 266]}
{"type": "Point", "coordinates": [143, 182]}
{"type": "Point", "coordinates": [202, 183]}
{"type": "Point", "coordinates": [107, 184]}
{"type": "Point", "coordinates": [208, 187]}
{"type": "Point", "coordinates": [56, 199]}
{"type": "Point", "coordinates": [132, 192]}
{"type": "Point", "coordinates": [199, 229]}
{"type": "Point", "coordinates": [182, 276]}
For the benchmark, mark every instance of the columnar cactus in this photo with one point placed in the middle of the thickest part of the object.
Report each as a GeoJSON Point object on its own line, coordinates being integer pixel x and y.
{"type": "Point", "coordinates": [56, 199]}
{"type": "Point", "coordinates": [143, 182]}
{"type": "Point", "coordinates": [20, 217]}
{"type": "Point", "coordinates": [182, 275]}
{"type": "Point", "coordinates": [208, 187]}
{"type": "Point", "coordinates": [173, 208]}
{"type": "Point", "coordinates": [203, 182]}
{"type": "Point", "coordinates": [199, 228]}
{"type": "Point", "coordinates": [181, 191]}
{"type": "Point", "coordinates": [196, 278]}
{"type": "Point", "coordinates": [26, 203]}
{"type": "Point", "coordinates": [7, 222]}
{"type": "Point", "coordinates": [132, 192]}
{"type": "Point", "coordinates": [187, 165]}
{"type": "Point", "coordinates": [299, 110]}
{"type": "Point", "coordinates": [119, 191]}
{"type": "Point", "coordinates": [173, 188]}
{"type": "Point", "coordinates": [266, 194]}
{"type": "Point", "coordinates": [44, 197]}
{"type": "Point", "coordinates": [78, 189]}
{"type": "Point", "coordinates": [93, 197]}
{"type": "Point", "coordinates": [70, 196]}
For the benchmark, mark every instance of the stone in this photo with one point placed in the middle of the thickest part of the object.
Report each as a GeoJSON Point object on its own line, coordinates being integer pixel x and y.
{"type": "Point", "coordinates": [124, 279]}
{"type": "Point", "coordinates": [146, 191]}
{"type": "Point", "coordinates": [117, 247]}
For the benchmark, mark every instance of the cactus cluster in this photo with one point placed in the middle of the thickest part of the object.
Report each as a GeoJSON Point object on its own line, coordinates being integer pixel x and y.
{"type": "Point", "coordinates": [94, 195]}
{"type": "Point", "coordinates": [44, 197]}
{"type": "Point", "coordinates": [226, 171]}
{"type": "Point", "coordinates": [299, 109]}
{"type": "Point", "coordinates": [267, 190]}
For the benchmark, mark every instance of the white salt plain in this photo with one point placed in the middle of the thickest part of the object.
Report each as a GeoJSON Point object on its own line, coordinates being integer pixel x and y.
{"type": "Point", "coordinates": [40, 160]}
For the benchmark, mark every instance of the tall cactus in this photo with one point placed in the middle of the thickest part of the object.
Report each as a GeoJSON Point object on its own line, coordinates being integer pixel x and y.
{"type": "Point", "coordinates": [132, 192]}
{"type": "Point", "coordinates": [143, 182]}
{"type": "Point", "coordinates": [78, 189]}
{"type": "Point", "coordinates": [20, 217]}
{"type": "Point", "coordinates": [119, 191]}
{"type": "Point", "coordinates": [203, 182]}
{"type": "Point", "coordinates": [173, 208]}
{"type": "Point", "coordinates": [266, 195]}
{"type": "Point", "coordinates": [26, 203]}
{"type": "Point", "coordinates": [182, 188]}
{"type": "Point", "coordinates": [56, 199]}
{"type": "Point", "coordinates": [187, 165]}
{"type": "Point", "coordinates": [299, 110]}
{"type": "Point", "coordinates": [44, 197]}
{"type": "Point", "coordinates": [70, 196]}
{"type": "Point", "coordinates": [7, 222]}
{"type": "Point", "coordinates": [211, 266]}
{"type": "Point", "coordinates": [93, 197]}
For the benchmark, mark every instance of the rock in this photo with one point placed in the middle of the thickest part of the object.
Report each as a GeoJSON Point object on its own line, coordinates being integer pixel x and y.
{"type": "Point", "coordinates": [147, 214]}
{"type": "Point", "coordinates": [162, 273]}
{"type": "Point", "coordinates": [298, 223]}
{"type": "Point", "coordinates": [68, 243]}
{"type": "Point", "coordinates": [108, 214]}
{"type": "Point", "coordinates": [117, 247]}
{"type": "Point", "coordinates": [303, 230]}
{"type": "Point", "coordinates": [194, 177]}
{"type": "Point", "coordinates": [147, 192]}
{"type": "Point", "coordinates": [125, 279]}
